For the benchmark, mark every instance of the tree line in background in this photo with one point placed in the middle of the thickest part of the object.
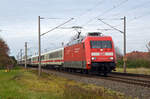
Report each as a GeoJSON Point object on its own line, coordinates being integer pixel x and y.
{"type": "Point", "coordinates": [5, 60]}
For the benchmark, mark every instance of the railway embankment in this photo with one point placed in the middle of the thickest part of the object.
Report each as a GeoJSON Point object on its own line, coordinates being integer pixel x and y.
{"type": "Point", "coordinates": [128, 85]}
{"type": "Point", "coordinates": [26, 84]}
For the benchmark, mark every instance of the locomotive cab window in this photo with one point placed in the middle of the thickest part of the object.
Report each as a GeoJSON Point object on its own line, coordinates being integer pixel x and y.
{"type": "Point", "coordinates": [101, 44]}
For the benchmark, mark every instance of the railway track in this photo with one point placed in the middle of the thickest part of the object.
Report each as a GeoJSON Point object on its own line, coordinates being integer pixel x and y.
{"type": "Point", "coordinates": [131, 75]}
{"type": "Point", "coordinates": [134, 79]}
{"type": "Point", "coordinates": [140, 82]}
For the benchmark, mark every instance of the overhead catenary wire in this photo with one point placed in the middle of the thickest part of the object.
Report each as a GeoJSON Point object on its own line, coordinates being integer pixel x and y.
{"type": "Point", "coordinates": [138, 17]}
{"type": "Point", "coordinates": [110, 18]}
{"type": "Point", "coordinates": [111, 26]}
{"type": "Point", "coordinates": [115, 6]}
{"type": "Point", "coordinates": [54, 18]}
{"type": "Point", "coordinates": [61, 39]}
{"type": "Point", "coordinates": [139, 6]}
{"type": "Point", "coordinates": [133, 8]}
{"type": "Point", "coordinates": [105, 29]}
{"type": "Point", "coordinates": [96, 6]}
{"type": "Point", "coordinates": [90, 9]}
{"type": "Point", "coordinates": [57, 27]}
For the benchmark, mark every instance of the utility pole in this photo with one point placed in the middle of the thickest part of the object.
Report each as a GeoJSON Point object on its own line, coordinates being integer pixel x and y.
{"type": "Point", "coordinates": [125, 58]}
{"type": "Point", "coordinates": [17, 58]}
{"type": "Point", "coordinates": [39, 38]}
{"type": "Point", "coordinates": [25, 55]}
{"type": "Point", "coordinates": [20, 56]}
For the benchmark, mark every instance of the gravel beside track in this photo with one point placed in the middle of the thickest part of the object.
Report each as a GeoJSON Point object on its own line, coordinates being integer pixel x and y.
{"type": "Point", "coordinates": [127, 89]}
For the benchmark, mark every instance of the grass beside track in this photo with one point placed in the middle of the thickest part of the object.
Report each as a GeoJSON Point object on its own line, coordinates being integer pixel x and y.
{"type": "Point", "coordinates": [145, 71]}
{"type": "Point", "coordinates": [25, 84]}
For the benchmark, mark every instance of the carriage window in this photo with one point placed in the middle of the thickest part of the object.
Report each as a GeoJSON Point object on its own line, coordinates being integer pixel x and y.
{"type": "Point", "coordinates": [57, 54]}
{"type": "Point", "coordinates": [101, 44]}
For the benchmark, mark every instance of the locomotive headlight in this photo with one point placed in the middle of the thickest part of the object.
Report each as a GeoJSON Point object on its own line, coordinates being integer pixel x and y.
{"type": "Point", "coordinates": [93, 58]}
{"type": "Point", "coordinates": [109, 53]}
{"type": "Point", "coordinates": [111, 58]}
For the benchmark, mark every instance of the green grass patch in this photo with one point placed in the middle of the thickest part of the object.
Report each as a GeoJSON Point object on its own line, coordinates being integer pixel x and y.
{"type": "Point", "coordinates": [136, 63]}
{"type": "Point", "coordinates": [25, 84]}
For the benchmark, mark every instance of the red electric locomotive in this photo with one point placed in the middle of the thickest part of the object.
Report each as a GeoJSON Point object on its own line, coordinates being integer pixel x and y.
{"type": "Point", "coordinates": [95, 53]}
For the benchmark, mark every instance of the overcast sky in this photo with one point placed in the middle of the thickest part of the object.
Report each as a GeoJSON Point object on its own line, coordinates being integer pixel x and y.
{"type": "Point", "coordinates": [19, 21]}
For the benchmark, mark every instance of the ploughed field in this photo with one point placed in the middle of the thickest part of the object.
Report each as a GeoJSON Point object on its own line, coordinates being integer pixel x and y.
{"type": "Point", "coordinates": [25, 84]}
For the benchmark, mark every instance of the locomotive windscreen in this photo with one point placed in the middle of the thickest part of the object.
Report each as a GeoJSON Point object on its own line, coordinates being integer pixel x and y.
{"type": "Point", "coordinates": [101, 44]}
